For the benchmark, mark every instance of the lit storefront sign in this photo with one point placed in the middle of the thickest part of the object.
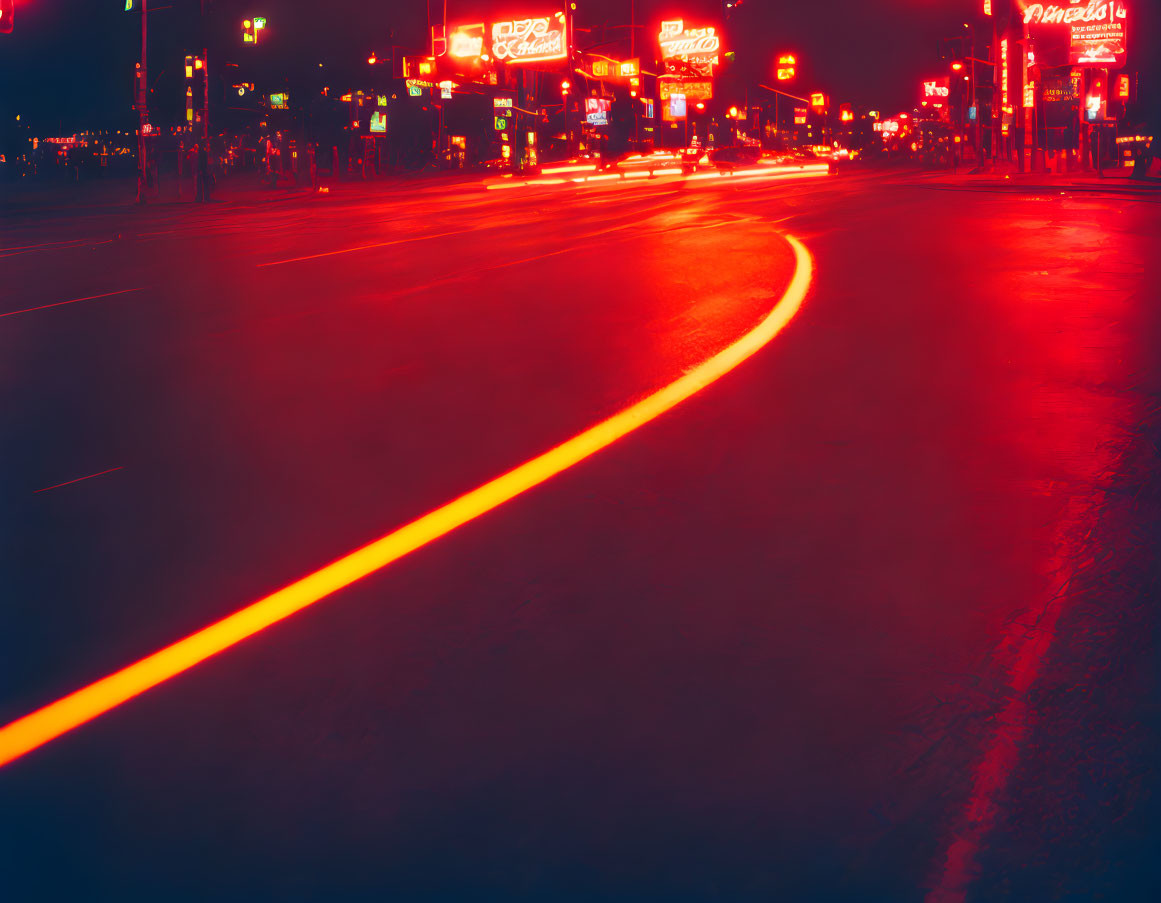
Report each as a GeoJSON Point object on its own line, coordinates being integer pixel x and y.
{"type": "Point", "coordinates": [501, 103]}
{"type": "Point", "coordinates": [935, 93]}
{"type": "Point", "coordinates": [597, 110]}
{"type": "Point", "coordinates": [615, 69]}
{"type": "Point", "coordinates": [1097, 29]}
{"type": "Point", "coordinates": [1029, 95]}
{"type": "Point", "coordinates": [694, 89]}
{"type": "Point", "coordinates": [467, 42]}
{"type": "Point", "coordinates": [786, 67]}
{"type": "Point", "coordinates": [1122, 87]}
{"type": "Point", "coordinates": [800, 114]}
{"type": "Point", "coordinates": [818, 101]}
{"type": "Point", "coordinates": [689, 49]}
{"type": "Point", "coordinates": [530, 40]}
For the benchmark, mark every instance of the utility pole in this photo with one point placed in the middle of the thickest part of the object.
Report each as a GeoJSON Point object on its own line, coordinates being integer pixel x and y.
{"type": "Point", "coordinates": [142, 87]}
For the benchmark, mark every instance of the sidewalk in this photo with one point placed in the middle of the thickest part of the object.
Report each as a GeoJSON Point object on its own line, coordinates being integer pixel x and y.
{"type": "Point", "coordinates": [1005, 177]}
{"type": "Point", "coordinates": [242, 189]}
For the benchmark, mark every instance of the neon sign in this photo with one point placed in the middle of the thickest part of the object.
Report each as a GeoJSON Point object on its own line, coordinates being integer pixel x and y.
{"type": "Point", "coordinates": [1097, 29]}
{"type": "Point", "coordinates": [1004, 73]}
{"type": "Point", "coordinates": [694, 89]}
{"type": "Point", "coordinates": [530, 40]}
{"type": "Point", "coordinates": [693, 49]}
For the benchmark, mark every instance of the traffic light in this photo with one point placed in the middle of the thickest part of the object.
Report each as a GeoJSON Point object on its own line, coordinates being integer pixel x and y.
{"type": "Point", "coordinates": [7, 11]}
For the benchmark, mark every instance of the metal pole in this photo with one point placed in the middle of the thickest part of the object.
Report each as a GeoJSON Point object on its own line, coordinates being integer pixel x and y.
{"type": "Point", "coordinates": [142, 109]}
{"type": "Point", "coordinates": [979, 143]}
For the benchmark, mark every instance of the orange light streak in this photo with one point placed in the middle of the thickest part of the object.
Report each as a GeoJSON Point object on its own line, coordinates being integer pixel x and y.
{"type": "Point", "coordinates": [57, 718]}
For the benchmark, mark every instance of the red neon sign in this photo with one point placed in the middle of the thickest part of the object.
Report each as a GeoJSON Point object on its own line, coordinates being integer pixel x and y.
{"type": "Point", "coordinates": [1097, 29]}
{"type": "Point", "coordinates": [530, 40]}
{"type": "Point", "coordinates": [689, 48]}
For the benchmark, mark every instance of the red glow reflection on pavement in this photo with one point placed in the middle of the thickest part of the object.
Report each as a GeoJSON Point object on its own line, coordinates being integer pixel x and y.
{"type": "Point", "coordinates": [71, 711]}
{"type": "Point", "coordinates": [1068, 431]}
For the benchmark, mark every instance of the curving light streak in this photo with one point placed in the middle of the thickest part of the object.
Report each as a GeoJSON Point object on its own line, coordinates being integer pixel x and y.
{"type": "Point", "coordinates": [57, 718]}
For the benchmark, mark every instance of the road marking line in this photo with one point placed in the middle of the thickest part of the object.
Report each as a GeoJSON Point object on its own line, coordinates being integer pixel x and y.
{"type": "Point", "coordinates": [78, 479]}
{"type": "Point", "coordinates": [124, 291]}
{"type": "Point", "coordinates": [46, 724]}
{"type": "Point", "coordinates": [381, 244]}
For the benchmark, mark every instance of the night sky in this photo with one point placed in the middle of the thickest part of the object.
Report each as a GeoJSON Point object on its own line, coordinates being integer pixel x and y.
{"type": "Point", "coordinates": [69, 64]}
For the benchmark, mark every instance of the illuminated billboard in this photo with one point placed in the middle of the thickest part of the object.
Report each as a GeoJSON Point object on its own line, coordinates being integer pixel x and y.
{"type": "Point", "coordinates": [689, 50]}
{"type": "Point", "coordinates": [530, 40]}
{"type": "Point", "coordinates": [1096, 29]}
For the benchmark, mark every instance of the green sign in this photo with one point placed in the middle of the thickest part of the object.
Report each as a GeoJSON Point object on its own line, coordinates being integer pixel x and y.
{"type": "Point", "coordinates": [501, 123]}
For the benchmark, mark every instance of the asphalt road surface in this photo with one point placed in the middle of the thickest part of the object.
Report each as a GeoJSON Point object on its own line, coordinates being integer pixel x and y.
{"type": "Point", "coordinates": [870, 617]}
